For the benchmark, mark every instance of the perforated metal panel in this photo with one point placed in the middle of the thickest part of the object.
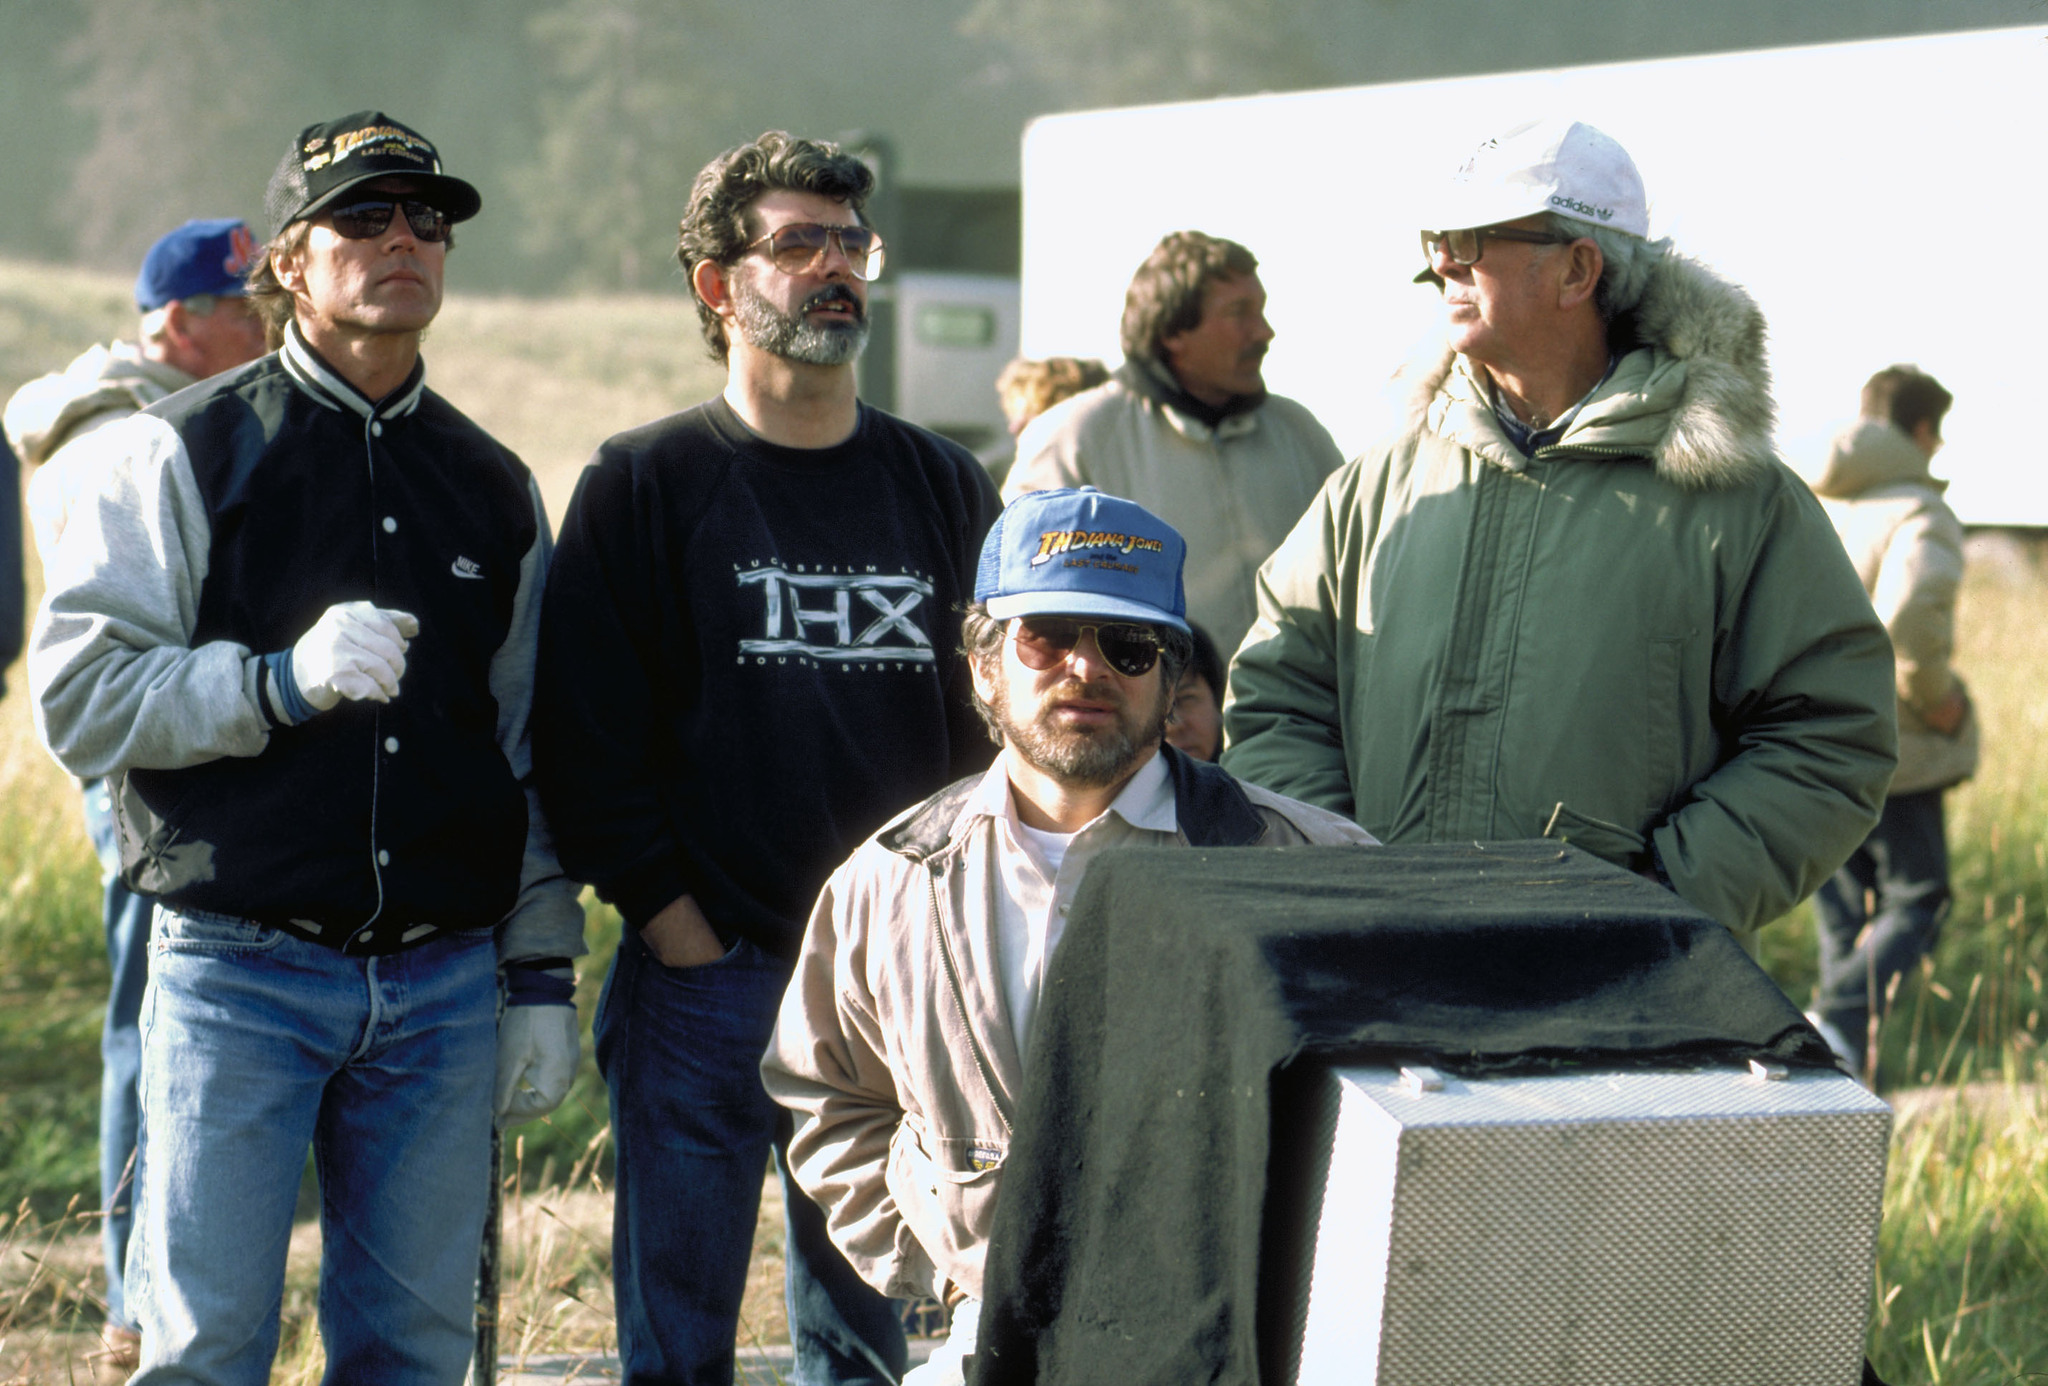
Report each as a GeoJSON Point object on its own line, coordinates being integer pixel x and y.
{"type": "Point", "coordinates": [1618, 1228]}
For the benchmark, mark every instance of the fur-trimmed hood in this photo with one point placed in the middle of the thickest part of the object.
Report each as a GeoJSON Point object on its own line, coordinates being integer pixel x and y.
{"type": "Point", "coordinates": [1692, 391]}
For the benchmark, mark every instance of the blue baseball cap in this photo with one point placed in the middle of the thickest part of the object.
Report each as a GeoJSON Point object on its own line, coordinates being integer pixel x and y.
{"type": "Point", "coordinates": [200, 257]}
{"type": "Point", "coordinates": [1082, 553]}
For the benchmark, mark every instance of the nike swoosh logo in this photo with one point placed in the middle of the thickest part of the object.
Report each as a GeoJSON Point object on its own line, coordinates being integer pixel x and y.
{"type": "Point", "coordinates": [466, 568]}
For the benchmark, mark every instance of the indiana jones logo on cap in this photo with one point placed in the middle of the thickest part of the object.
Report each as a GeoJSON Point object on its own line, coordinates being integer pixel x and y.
{"type": "Point", "coordinates": [386, 140]}
{"type": "Point", "coordinates": [323, 162]}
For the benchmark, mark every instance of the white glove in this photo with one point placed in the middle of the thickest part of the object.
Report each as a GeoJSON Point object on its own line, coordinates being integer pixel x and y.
{"type": "Point", "coordinates": [356, 651]}
{"type": "Point", "coordinates": [538, 1049]}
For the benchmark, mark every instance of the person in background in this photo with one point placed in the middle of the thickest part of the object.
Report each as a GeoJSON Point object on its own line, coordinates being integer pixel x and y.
{"type": "Point", "coordinates": [13, 590]}
{"type": "Point", "coordinates": [902, 1038]}
{"type": "Point", "coordinates": [196, 322]}
{"type": "Point", "coordinates": [1194, 722]}
{"type": "Point", "coordinates": [747, 664]}
{"type": "Point", "coordinates": [1576, 595]}
{"type": "Point", "coordinates": [1907, 546]}
{"type": "Point", "coordinates": [291, 617]}
{"type": "Point", "coordinates": [1186, 427]}
{"type": "Point", "coordinates": [1028, 388]}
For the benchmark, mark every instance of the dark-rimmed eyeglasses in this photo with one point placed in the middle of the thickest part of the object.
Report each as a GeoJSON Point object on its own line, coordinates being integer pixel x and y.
{"type": "Point", "coordinates": [1044, 641]}
{"type": "Point", "coordinates": [1465, 247]}
{"type": "Point", "coordinates": [799, 248]}
{"type": "Point", "coordinates": [360, 221]}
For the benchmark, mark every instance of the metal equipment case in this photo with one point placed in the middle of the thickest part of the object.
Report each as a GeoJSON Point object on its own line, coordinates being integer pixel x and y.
{"type": "Point", "coordinates": [1586, 1228]}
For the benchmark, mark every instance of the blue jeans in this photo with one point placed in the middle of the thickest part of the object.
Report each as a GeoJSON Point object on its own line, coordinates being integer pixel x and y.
{"type": "Point", "coordinates": [680, 1049]}
{"type": "Point", "coordinates": [126, 916]}
{"type": "Point", "coordinates": [1903, 867]}
{"type": "Point", "coordinates": [256, 1045]}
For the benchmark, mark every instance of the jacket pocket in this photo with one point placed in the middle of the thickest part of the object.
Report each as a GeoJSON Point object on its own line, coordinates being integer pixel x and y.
{"type": "Point", "coordinates": [946, 1189]}
{"type": "Point", "coordinates": [1608, 841]}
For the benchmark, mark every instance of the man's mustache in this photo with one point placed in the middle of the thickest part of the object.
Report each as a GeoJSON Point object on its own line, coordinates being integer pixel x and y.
{"type": "Point", "coordinates": [837, 295]}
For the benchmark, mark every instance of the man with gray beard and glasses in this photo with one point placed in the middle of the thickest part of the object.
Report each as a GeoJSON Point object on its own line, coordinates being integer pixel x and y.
{"type": "Point", "coordinates": [904, 1061]}
{"type": "Point", "coordinates": [747, 664]}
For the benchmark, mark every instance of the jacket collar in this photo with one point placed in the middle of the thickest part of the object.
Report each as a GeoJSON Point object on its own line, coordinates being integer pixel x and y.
{"type": "Point", "coordinates": [1153, 381]}
{"type": "Point", "coordinates": [1212, 809]}
{"type": "Point", "coordinates": [320, 380]}
{"type": "Point", "coordinates": [1692, 394]}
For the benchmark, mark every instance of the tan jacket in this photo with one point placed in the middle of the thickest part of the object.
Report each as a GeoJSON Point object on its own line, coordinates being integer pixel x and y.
{"type": "Point", "coordinates": [104, 384]}
{"type": "Point", "coordinates": [894, 1047]}
{"type": "Point", "coordinates": [1907, 546]}
{"type": "Point", "coordinates": [1233, 491]}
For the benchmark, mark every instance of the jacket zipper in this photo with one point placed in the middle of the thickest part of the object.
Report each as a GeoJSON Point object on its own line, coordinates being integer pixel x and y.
{"type": "Point", "coordinates": [988, 1077]}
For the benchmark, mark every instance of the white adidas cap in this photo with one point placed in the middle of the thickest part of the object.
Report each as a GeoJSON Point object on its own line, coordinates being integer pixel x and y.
{"type": "Point", "coordinates": [1561, 166]}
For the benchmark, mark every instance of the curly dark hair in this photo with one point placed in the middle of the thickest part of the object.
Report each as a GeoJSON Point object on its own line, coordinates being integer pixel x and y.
{"type": "Point", "coordinates": [1165, 297]}
{"type": "Point", "coordinates": [716, 226]}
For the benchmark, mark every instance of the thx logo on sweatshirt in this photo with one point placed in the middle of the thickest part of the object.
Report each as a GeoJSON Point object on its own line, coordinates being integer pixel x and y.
{"type": "Point", "coordinates": [845, 617]}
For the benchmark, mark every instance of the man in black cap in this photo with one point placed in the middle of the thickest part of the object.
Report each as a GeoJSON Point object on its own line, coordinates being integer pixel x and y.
{"type": "Point", "coordinates": [293, 621]}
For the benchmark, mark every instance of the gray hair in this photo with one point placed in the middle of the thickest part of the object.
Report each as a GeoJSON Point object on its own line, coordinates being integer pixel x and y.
{"type": "Point", "coordinates": [981, 640]}
{"type": "Point", "coordinates": [1626, 262]}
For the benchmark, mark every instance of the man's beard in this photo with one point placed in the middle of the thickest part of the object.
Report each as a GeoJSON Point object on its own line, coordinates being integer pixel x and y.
{"type": "Point", "coordinates": [1092, 758]}
{"type": "Point", "coordinates": [797, 338]}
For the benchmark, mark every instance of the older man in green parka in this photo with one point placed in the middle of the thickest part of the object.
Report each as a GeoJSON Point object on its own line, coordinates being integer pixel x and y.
{"type": "Point", "coordinates": [1577, 595]}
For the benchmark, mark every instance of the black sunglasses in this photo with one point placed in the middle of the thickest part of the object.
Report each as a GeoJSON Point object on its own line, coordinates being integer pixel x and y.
{"type": "Point", "coordinates": [360, 221]}
{"type": "Point", "coordinates": [1465, 247]}
{"type": "Point", "coordinates": [799, 248]}
{"type": "Point", "coordinates": [1043, 641]}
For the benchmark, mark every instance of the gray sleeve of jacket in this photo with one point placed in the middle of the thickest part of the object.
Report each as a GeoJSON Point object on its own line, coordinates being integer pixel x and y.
{"type": "Point", "coordinates": [114, 680]}
{"type": "Point", "coordinates": [546, 920]}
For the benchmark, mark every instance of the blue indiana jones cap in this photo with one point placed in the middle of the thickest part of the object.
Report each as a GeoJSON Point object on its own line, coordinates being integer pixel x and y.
{"type": "Point", "coordinates": [200, 257]}
{"type": "Point", "coordinates": [1082, 553]}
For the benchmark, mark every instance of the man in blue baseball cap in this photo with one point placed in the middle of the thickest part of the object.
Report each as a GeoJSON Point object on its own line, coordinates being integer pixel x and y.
{"type": "Point", "coordinates": [195, 323]}
{"type": "Point", "coordinates": [901, 1039]}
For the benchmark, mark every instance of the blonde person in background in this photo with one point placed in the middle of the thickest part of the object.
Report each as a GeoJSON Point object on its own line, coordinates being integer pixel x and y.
{"type": "Point", "coordinates": [1907, 546]}
{"type": "Point", "coordinates": [1028, 388]}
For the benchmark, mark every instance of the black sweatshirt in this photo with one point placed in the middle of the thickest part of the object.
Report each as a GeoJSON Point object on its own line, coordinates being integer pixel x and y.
{"type": "Point", "coordinates": [749, 660]}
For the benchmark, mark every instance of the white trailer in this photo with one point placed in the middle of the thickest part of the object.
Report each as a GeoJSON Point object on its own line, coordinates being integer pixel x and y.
{"type": "Point", "coordinates": [1884, 201]}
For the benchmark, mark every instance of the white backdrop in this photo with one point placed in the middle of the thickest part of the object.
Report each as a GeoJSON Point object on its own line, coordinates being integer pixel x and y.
{"type": "Point", "coordinates": [1883, 201]}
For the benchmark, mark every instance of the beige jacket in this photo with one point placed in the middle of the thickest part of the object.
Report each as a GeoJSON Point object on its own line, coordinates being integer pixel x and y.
{"type": "Point", "coordinates": [1233, 491]}
{"type": "Point", "coordinates": [894, 1047]}
{"type": "Point", "coordinates": [104, 384]}
{"type": "Point", "coordinates": [1907, 546]}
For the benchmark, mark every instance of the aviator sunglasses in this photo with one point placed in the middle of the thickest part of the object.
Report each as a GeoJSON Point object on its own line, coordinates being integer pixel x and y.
{"type": "Point", "coordinates": [359, 221]}
{"type": "Point", "coordinates": [1043, 641]}
{"type": "Point", "coordinates": [799, 248]}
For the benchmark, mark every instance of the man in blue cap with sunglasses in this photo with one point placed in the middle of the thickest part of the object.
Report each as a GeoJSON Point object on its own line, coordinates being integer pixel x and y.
{"type": "Point", "coordinates": [903, 1060]}
{"type": "Point", "coordinates": [292, 619]}
{"type": "Point", "coordinates": [195, 323]}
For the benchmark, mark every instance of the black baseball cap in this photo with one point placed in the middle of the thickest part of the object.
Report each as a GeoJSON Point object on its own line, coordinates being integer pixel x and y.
{"type": "Point", "coordinates": [327, 160]}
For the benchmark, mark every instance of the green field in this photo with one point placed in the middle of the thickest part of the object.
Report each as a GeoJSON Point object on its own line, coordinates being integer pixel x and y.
{"type": "Point", "coordinates": [1962, 1287]}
